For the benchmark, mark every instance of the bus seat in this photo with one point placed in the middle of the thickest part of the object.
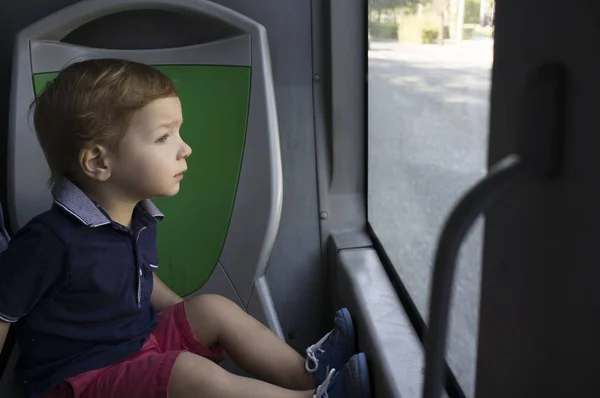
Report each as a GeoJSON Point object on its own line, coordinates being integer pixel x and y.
{"type": "Point", "coordinates": [220, 229]}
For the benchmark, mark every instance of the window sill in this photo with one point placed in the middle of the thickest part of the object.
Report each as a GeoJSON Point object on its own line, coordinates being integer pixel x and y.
{"type": "Point", "coordinates": [385, 333]}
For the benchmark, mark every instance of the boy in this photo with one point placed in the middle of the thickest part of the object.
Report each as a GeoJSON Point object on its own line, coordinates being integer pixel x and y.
{"type": "Point", "coordinates": [78, 281]}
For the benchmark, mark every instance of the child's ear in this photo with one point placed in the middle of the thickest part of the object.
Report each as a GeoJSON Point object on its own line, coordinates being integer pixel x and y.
{"type": "Point", "coordinates": [94, 161]}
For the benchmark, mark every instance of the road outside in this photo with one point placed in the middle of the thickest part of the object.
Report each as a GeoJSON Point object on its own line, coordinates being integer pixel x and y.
{"type": "Point", "coordinates": [428, 130]}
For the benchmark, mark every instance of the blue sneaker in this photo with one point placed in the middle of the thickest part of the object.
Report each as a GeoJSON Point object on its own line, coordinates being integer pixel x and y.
{"type": "Point", "coordinates": [334, 349]}
{"type": "Point", "coordinates": [351, 382]}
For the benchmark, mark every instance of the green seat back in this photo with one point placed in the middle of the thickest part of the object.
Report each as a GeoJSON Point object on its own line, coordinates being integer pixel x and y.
{"type": "Point", "coordinates": [215, 102]}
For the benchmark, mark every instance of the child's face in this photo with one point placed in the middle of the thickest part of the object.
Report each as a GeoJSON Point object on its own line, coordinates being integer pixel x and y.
{"type": "Point", "coordinates": [151, 156]}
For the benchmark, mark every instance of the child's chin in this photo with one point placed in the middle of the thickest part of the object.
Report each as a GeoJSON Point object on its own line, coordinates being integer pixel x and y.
{"type": "Point", "coordinates": [167, 193]}
{"type": "Point", "coordinates": [174, 191]}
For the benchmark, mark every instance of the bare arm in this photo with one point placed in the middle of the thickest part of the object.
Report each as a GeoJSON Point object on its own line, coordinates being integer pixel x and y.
{"type": "Point", "coordinates": [162, 296]}
{"type": "Point", "coordinates": [4, 326]}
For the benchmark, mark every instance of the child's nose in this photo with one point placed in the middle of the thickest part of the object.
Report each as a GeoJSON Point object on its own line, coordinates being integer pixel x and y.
{"type": "Point", "coordinates": [186, 151]}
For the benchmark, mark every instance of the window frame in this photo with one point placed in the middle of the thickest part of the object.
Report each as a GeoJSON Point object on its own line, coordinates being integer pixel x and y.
{"type": "Point", "coordinates": [340, 92]}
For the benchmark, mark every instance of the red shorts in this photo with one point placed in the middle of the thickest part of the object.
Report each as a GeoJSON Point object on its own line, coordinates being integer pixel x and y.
{"type": "Point", "coordinates": [145, 374]}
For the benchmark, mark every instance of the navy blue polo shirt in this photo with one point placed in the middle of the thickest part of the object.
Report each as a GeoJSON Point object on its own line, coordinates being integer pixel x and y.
{"type": "Point", "coordinates": [77, 286]}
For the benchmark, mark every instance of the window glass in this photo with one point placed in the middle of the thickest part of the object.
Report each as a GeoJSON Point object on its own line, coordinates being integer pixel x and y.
{"type": "Point", "coordinates": [428, 129]}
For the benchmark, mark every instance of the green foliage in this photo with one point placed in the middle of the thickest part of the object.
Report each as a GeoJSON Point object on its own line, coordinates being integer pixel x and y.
{"type": "Point", "coordinates": [419, 29]}
{"type": "Point", "coordinates": [384, 30]}
{"type": "Point", "coordinates": [389, 4]}
{"type": "Point", "coordinates": [429, 36]}
{"type": "Point", "coordinates": [472, 8]}
{"type": "Point", "coordinates": [467, 33]}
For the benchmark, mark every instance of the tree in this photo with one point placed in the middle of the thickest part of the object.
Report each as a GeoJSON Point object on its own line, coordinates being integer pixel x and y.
{"type": "Point", "coordinates": [472, 11]}
{"type": "Point", "coordinates": [381, 5]}
{"type": "Point", "coordinates": [409, 6]}
{"type": "Point", "coordinates": [441, 6]}
{"type": "Point", "coordinates": [390, 4]}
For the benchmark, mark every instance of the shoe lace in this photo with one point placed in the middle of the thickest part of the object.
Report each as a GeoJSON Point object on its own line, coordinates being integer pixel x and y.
{"type": "Point", "coordinates": [311, 354]}
{"type": "Point", "coordinates": [322, 389]}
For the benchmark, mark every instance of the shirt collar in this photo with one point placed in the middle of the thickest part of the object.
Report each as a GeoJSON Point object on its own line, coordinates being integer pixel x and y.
{"type": "Point", "coordinates": [75, 202]}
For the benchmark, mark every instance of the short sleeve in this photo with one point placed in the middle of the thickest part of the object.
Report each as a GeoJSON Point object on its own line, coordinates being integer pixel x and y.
{"type": "Point", "coordinates": [34, 265]}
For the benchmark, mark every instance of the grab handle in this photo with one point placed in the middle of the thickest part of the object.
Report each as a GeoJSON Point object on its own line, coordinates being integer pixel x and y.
{"type": "Point", "coordinates": [501, 178]}
{"type": "Point", "coordinates": [540, 141]}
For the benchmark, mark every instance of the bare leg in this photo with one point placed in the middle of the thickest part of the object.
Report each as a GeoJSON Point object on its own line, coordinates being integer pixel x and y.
{"type": "Point", "coordinates": [257, 350]}
{"type": "Point", "coordinates": [196, 377]}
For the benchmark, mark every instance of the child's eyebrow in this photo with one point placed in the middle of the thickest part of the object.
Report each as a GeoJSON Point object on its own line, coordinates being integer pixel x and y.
{"type": "Point", "coordinates": [170, 124]}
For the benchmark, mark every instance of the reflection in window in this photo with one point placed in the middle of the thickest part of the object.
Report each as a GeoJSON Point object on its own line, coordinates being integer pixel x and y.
{"type": "Point", "coordinates": [428, 129]}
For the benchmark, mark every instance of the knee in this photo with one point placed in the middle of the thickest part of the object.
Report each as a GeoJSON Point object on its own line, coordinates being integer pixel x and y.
{"type": "Point", "coordinates": [209, 304]}
{"type": "Point", "coordinates": [194, 373]}
{"type": "Point", "coordinates": [184, 364]}
{"type": "Point", "coordinates": [210, 311]}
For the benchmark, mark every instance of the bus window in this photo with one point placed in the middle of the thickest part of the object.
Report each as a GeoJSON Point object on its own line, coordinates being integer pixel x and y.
{"type": "Point", "coordinates": [429, 87]}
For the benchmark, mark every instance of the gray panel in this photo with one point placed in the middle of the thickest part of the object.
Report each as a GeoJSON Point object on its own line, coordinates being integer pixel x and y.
{"type": "Point", "coordinates": [257, 209]}
{"type": "Point", "coordinates": [48, 56]}
{"type": "Point", "coordinates": [340, 103]}
{"type": "Point", "coordinates": [56, 26]}
{"type": "Point", "coordinates": [136, 30]}
{"type": "Point", "coordinates": [295, 273]}
{"type": "Point", "coordinates": [340, 120]}
{"type": "Point", "coordinates": [295, 265]}
{"type": "Point", "coordinates": [262, 308]}
{"type": "Point", "coordinates": [385, 334]}
{"type": "Point", "coordinates": [219, 283]}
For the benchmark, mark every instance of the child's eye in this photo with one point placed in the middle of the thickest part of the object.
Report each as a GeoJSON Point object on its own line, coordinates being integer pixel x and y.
{"type": "Point", "coordinates": [162, 139]}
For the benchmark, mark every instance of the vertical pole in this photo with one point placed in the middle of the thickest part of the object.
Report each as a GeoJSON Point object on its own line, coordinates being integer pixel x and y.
{"type": "Point", "coordinates": [460, 21]}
